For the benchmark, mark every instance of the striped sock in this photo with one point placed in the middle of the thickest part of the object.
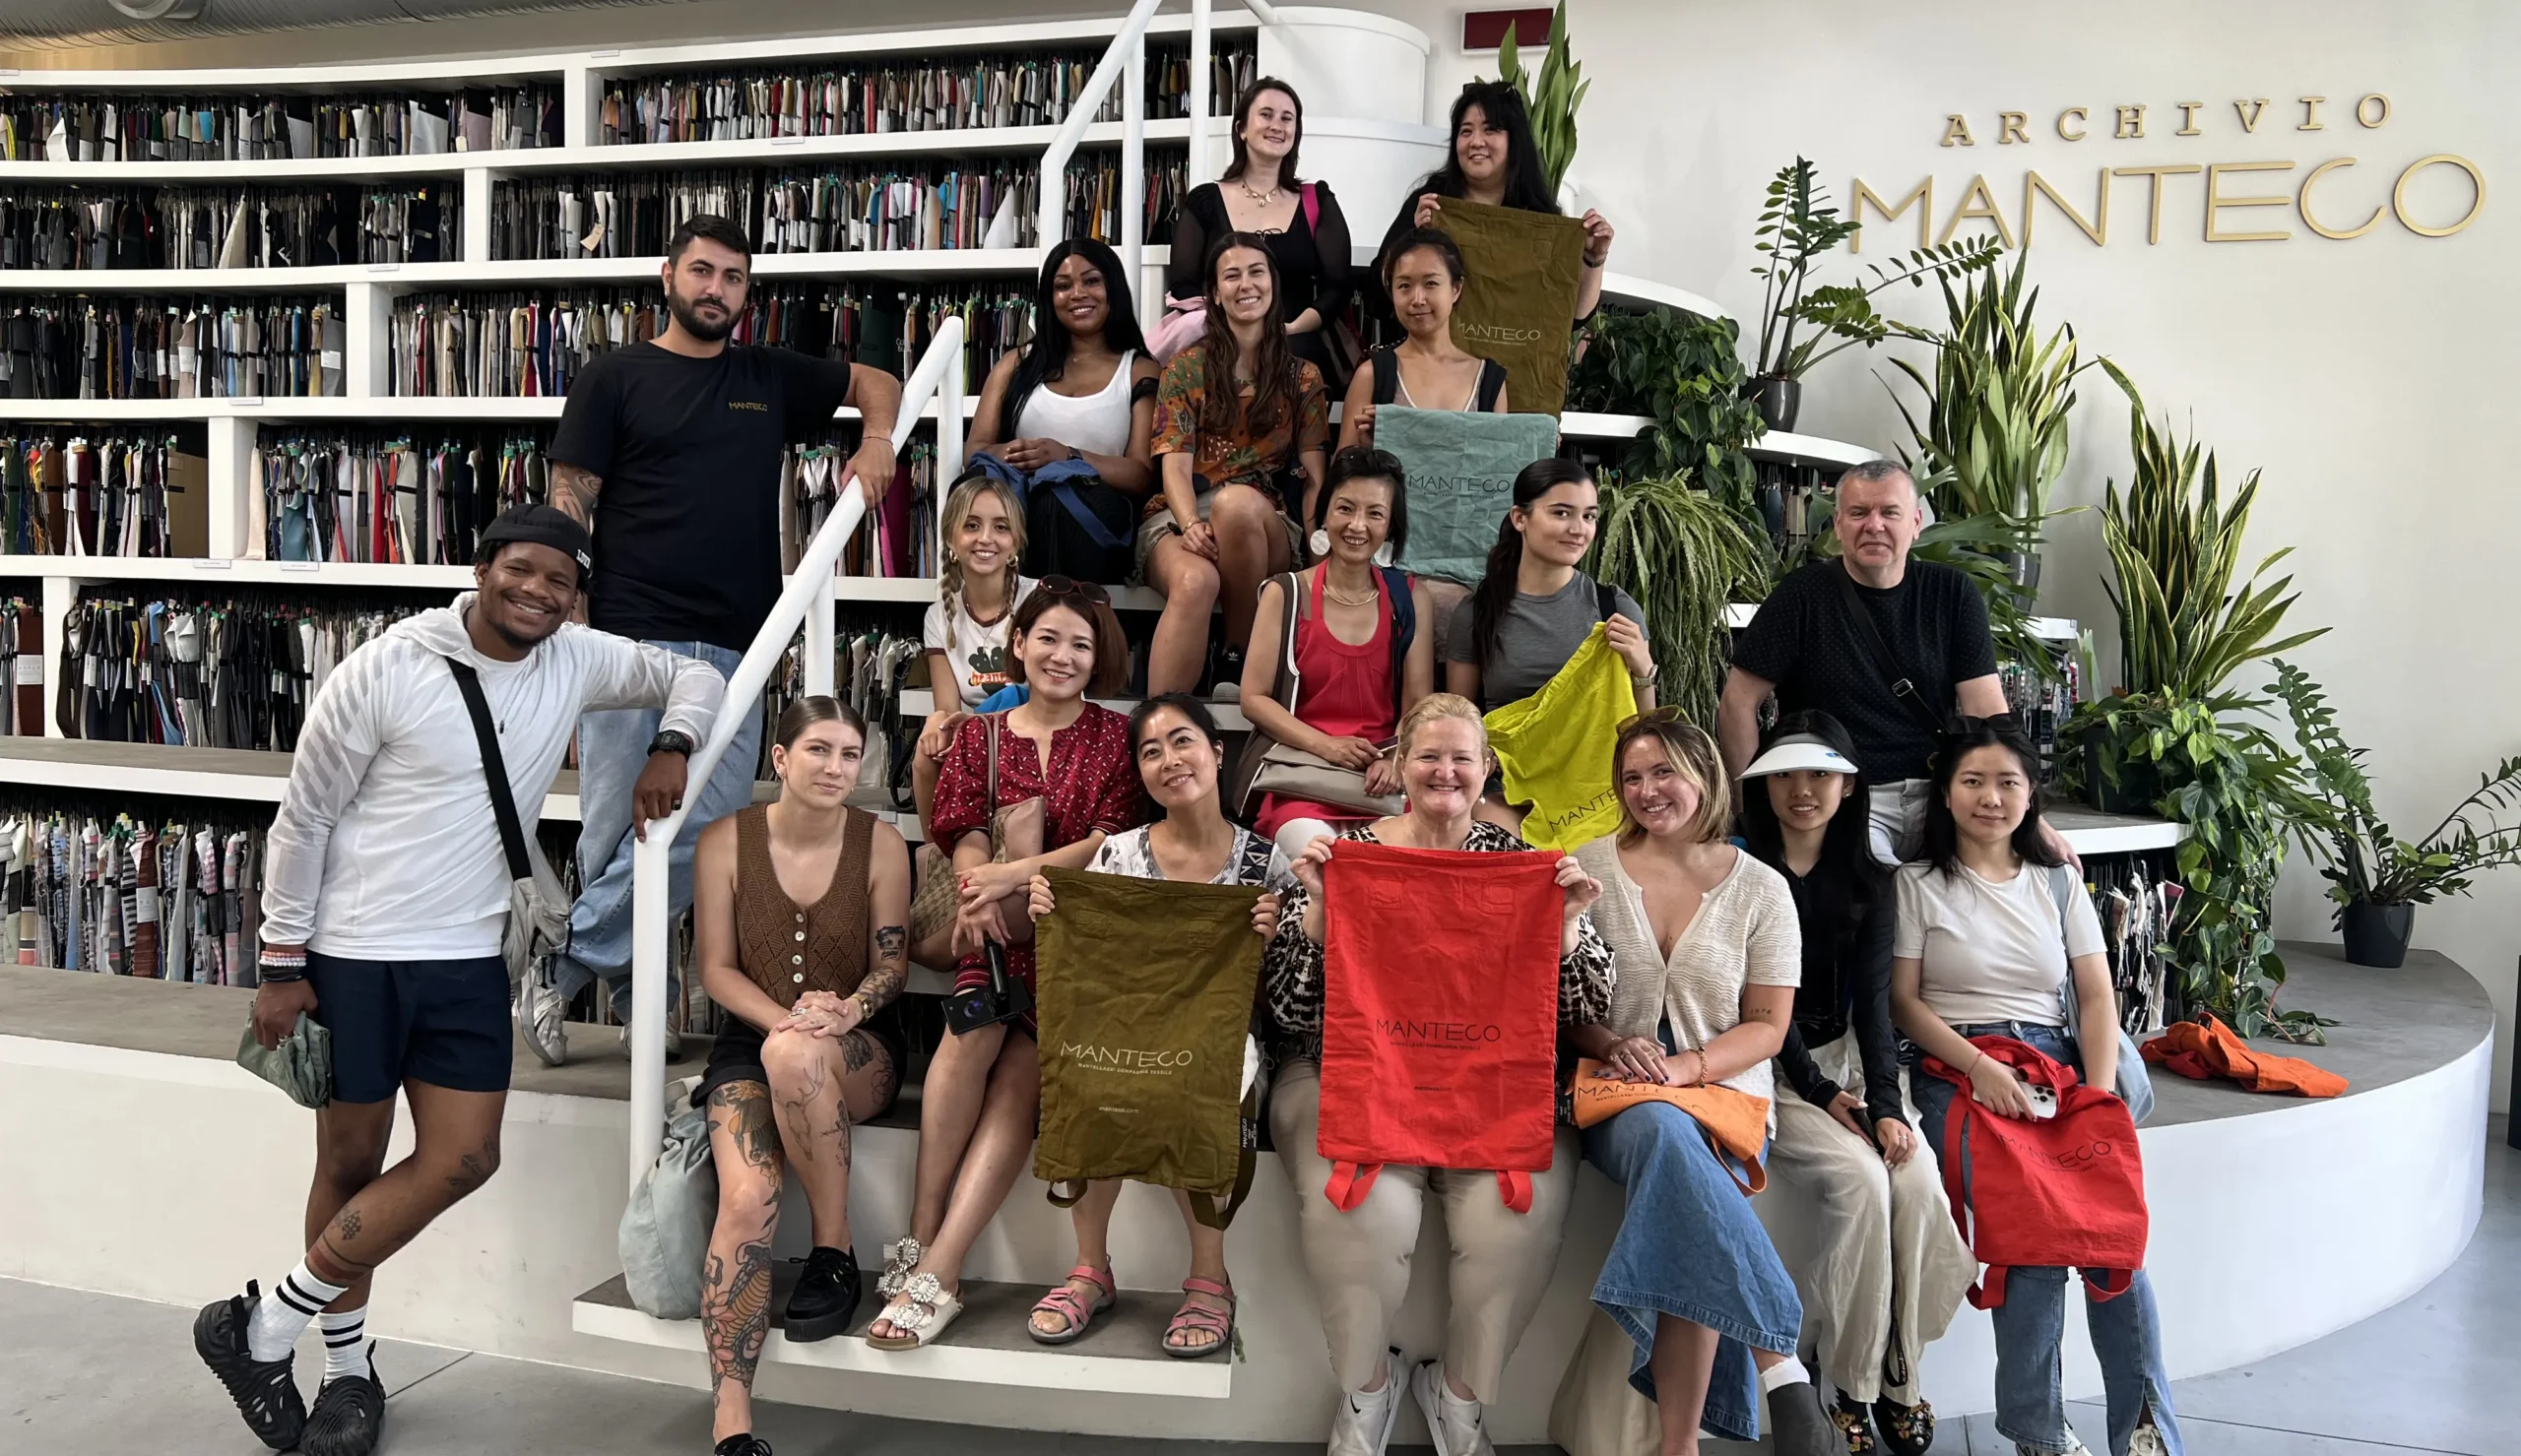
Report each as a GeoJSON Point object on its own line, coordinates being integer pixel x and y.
{"type": "Point", "coordinates": [285, 1313]}
{"type": "Point", "coordinates": [345, 1343]}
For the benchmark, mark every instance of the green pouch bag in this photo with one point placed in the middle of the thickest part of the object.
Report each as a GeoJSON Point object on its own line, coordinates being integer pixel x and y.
{"type": "Point", "coordinates": [1517, 304]}
{"type": "Point", "coordinates": [1461, 470]}
{"type": "Point", "coordinates": [301, 1066]}
{"type": "Point", "coordinates": [1145, 994]}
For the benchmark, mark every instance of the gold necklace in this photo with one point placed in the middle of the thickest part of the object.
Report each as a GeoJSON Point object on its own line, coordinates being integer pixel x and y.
{"type": "Point", "coordinates": [1366, 600]}
{"type": "Point", "coordinates": [1259, 199]}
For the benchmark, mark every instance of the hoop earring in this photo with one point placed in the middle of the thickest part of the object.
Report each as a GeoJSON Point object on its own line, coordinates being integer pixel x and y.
{"type": "Point", "coordinates": [1320, 542]}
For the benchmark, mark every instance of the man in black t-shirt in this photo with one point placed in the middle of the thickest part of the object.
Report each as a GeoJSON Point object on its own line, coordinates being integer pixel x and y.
{"type": "Point", "coordinates": [1805, 647]}
{"type": "Point", "coordinates": [670, 451]}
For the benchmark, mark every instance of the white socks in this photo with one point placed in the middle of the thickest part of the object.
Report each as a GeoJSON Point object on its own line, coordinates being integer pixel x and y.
{"type": "Point", "coordinates": [345, 1343]}
{"type": "Point", "coordinates": [284, 1315]}
{"type": "Point", "coordinates": [1785, 1372]}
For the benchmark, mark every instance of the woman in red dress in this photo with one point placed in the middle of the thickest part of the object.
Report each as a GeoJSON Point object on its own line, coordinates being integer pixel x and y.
{"type": "Point", "coordinates": [1063, 767]}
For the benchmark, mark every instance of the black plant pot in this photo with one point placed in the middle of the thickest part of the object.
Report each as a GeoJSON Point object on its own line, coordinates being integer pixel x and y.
{"type": "Point", "coordinates": [2376, 935]}
{"type": "Point", "coordinates": [1779, 400]}
{"type": "Point", "coordinates": [2139, 783]}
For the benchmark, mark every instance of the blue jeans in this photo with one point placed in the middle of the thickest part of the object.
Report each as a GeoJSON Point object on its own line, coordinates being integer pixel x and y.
{"type": "Point", "coordinates": [612, 747]}
{"type": "Point", "coordinates": [1689, 1246]}
{"type": "Point", "coordinates": [2031, 1324]}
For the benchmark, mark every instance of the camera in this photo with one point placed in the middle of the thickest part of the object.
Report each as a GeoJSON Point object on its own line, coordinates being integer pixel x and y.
{"type": "Point", "coordinates": [1002, 999]}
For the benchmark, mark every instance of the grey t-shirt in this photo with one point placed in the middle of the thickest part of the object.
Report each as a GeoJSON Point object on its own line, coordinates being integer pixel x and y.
{"type": "Point", "coordinates": [1534, 637]}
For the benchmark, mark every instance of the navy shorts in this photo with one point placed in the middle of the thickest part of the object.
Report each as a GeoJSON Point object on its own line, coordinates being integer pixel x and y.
{"type": "Point", "coordinates": [440, 1022]}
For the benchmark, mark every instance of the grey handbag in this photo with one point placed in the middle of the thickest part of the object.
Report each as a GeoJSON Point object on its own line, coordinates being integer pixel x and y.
{"type": "Point", "coordinates": [2135, 1085]}
{"type": "Point", "coordinates": [301, 1066]}
{"type": "Point", "coordinates": [665, 1230]}
{"type": "Point", "coordinates": [1267, 765]}
{"type": "Point", "coordinates": [538, 904]}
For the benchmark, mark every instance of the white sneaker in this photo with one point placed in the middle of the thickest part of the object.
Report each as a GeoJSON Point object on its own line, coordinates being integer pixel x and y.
{"type": "Point", "coordinates": [1362, 1425]}
{"type": "Point", "coordinates": [1455, 1424]}
{"type": "Point", "coordinates": [2148, 1440]}
{"type": "Point", "coordinates": [542, 1018]}
{"type": "Point", "coordinates": [2077, 1449]}
{"type": "Point", "coordinates": [674, 1041]}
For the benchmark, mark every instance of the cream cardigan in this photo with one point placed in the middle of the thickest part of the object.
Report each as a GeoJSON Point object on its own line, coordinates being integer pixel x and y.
{"type": "Point", "coordinates": [1745, 933]}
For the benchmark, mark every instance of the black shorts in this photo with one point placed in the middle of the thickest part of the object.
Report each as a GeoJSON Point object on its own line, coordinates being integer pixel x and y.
{"type": "Point", "coordinates": [736, 1056]}
{"type": "Point", "coordinates": [440, 1022]}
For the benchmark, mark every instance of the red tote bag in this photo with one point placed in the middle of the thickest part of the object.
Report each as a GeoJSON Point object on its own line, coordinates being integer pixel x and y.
{"type": "Point", "coordinates": [2060, 1192]}
{"type": "Point", "coordinates": [1439, 1014]}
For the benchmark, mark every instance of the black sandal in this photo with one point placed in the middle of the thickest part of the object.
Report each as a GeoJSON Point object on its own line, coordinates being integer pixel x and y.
{"type": "Point", "coordinates": [265, 1391]}
{"type": "Point", "coordinates": [1854, 1423]}
{"type": "Point", "coordinates": [1908, 1430]}
{"type": "Point", "coordinates": [349, 1415]}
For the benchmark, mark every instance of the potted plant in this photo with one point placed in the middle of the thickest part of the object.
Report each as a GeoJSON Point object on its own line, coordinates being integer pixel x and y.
{"type": "Point", "coordinates": [1551, 97]}
{"type": "Point", "coordinates": [2377, 879]}
{"type": "Point", "coordinates": [1993, 434]}
{"type": "Point", "coordinates": [2175, 739]}
{"type": "Point", "coordinates": [1683, 372]}
{"type": "Point", "coordinates": [1802, 325]}
{"type": "Point", "coordinates": [1685, 556]}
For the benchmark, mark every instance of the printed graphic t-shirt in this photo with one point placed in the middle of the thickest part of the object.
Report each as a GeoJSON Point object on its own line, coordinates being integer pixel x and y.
{"type": "Point", "coordinates": [686, 526]}
{"type": "Point", "coordinates": [977, 653]}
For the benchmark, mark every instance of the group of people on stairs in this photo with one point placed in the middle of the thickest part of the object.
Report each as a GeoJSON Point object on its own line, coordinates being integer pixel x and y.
{"type": "Point", "coordinates": [1743, 930]}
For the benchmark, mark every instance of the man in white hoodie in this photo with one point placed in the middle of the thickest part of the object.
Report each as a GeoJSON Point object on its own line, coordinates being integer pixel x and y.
{"type": "Point", "coordinates": [387, 898]}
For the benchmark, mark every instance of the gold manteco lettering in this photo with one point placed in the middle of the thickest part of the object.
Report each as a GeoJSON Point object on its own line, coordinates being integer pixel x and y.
{"type": "Point", "coordinates": [2097, 230]}
{"type": "Point", "coordinates": [2080, 114]}
{"type": "Point", "coordinates": [2366, 117]}
{"type": "Point", "coordinates": [2131, 124]}
{"type": "Point", "coordinates": [2303, 203]}
{"type": "Point", "coordinates": [1921, 197]}
{"type": "Point", "coordinates": [1126, 1058]}
{"type": "Point", "coordinates": [2012, 124]}
{"type": "Point", "coordinates": [2311, 115]}
{"type": "Point", "coordinates": [2187, 118]}
{"type": "Point", "coordinates": [1955, 131]}
{"type": "Point", "coordinates": [2154, 205]}
{"type": "Point", "coordinates": [2248, 111]}
{"type": "Point", "coordinates": [2216, 200]}
{"type": "Point", "coordinates": [2398, 194]}
{"type": "Point", "coordinates": [1979, 204]}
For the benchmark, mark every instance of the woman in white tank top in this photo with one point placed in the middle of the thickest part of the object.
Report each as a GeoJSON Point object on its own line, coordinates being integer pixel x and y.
{"type": "Point", "coordinates": [1083, 391]}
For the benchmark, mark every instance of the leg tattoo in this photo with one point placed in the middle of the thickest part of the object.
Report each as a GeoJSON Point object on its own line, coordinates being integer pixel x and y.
{"type": "Point", "coordinates": [734, 1306]}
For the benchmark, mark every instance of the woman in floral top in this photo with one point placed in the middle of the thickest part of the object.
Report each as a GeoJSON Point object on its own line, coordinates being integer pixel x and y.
{"type": "Point", "coordinates": [1236, 414]}
{"type": "Point", "coordinates": [1062, 764]}
{"type": "Point", "coordinates": [1360, 1259]}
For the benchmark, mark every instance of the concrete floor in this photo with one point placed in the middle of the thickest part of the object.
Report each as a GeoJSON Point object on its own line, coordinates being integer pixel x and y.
{"type": "Point", "coordinates": [116, 1377]}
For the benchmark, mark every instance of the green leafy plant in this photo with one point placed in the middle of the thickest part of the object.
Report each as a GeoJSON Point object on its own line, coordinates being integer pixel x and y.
{"type": "Point", "coordinates": [1551, 97]}
{"type": "Point", "coordinates": [1797, 228]}
{"type": "Point", "coordinates": [1685, 557]}
{"type": "Point", "coordinates": [2240, 794]}
{"type": "Point", "coordinates": [2367, 863]}
{"type": "Point", "coordinates": [1683, 373]}
{"type": "Point", "coordinates": [2176, 727]}
{"type": "Point", "coordinates": [1992, 438]}
{"type": "Point", "coordinates": [2174, 548]}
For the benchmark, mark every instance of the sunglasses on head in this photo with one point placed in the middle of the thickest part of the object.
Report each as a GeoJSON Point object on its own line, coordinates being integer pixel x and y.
{"type": "Point", "coordinates": [1962, 725]}
{"type": "Point", "coordinates": [1070, 587]}
{"type": "Point", "coordinates": [1668, 713]}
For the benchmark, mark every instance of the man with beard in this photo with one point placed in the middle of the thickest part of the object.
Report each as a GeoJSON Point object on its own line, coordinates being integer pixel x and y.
{"type": "Point", "coordinates": [670, 453]}
{"type": "Point", "coordinates": [386, 901]}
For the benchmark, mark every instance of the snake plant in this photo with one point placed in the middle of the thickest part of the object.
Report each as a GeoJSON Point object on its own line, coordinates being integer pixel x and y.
{"type": "Point", "coordinates": [1551, 97]}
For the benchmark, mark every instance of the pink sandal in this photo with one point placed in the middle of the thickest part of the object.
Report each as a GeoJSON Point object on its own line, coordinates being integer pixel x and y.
{"type": "Point", "coordinates": [1200, 1319]}
{"type": "Point", "coordinates": [1066, 1302]}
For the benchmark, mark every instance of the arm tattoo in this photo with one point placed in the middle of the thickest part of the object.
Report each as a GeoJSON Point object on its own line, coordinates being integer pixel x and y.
{"type": "Point", "coordinates": [891, 969]}
{"type": "Point", "coordinates": [575, 490]}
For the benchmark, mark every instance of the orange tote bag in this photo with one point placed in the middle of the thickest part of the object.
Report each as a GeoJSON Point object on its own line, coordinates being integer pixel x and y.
{"type": "Point", "coordinates": [1439, 1014]}
{"type": "Point", "coordinates": [1735, 1122]}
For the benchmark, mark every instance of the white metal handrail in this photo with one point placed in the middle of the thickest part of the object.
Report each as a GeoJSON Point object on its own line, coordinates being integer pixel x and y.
{"type": "Point", "coordinates": [1126, 56]}
{"type": "Point", "coordinates": [808, 602]}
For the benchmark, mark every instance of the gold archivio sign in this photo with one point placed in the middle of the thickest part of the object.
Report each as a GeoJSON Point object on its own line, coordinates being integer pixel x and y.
{"type": "Point", "coordinates": [2227, 190]}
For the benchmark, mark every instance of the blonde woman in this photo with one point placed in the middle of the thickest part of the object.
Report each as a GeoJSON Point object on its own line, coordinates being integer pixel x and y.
{"type": "Point", "coordinates": [1709, 953]}
{"type": "Point", "coordinates": [1360, 1261]}
{"type": "Point", "coordinates": [965, 634]}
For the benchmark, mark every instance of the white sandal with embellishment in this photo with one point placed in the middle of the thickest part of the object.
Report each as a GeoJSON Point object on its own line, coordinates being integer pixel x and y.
{"type": "Point", "coordinates": [901, 1257]}
{"type": "Point", "coordinates": [923, 1309]}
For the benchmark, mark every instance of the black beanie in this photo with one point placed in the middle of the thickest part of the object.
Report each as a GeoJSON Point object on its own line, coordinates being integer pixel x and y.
{"type": "Point", "coordinates": [544, 526]}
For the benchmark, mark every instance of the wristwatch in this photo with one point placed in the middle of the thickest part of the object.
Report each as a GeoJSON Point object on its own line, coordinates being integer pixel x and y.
{"type": "Point", "coordinates": [672, 741]}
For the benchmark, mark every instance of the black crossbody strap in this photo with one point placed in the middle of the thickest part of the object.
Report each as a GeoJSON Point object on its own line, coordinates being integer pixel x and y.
{"type": "Point", "coordinates": [494, 768]}
{"type": "Point", "coordinates": [1893, 672]}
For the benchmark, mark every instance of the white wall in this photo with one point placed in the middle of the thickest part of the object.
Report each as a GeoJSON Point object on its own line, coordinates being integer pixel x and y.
{"type": "Point", "coordinates": [2362, 377]}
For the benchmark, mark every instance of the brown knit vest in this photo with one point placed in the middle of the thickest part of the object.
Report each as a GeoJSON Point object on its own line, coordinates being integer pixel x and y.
{"type": "Point", "coordinates": [789, 949]}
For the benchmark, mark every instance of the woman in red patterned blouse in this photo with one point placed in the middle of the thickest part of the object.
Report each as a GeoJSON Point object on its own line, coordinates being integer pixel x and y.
{"type": "Point", "coordinates": [1064, 780]}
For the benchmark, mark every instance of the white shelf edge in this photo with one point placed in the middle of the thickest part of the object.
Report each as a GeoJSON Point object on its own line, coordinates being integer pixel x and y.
{"type": "Point", "coordinates": [1774, 445]}
{"type": "Point", "coordinates": [404, 277]}
{"type": "Point", "coordinates": [387, 409]}
{"type": "Point", "coordinates": [1623, 288]}
{"type": "Point", "coordinates": [53, 772]}
{"type": "Point", "coordinates": [2125, 839]}
{"type": "Point", "coordinates": [1046, 1367]}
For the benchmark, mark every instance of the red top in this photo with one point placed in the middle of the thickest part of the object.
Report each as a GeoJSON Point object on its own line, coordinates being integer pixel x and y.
{"type": "Point", "coordinates": [1346, 691]}
{"type": "Point", "coordinates": [1091, 784]}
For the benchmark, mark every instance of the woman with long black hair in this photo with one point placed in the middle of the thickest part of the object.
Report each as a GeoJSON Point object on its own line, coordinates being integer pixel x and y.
{"type": "Point", "coordinates": [1495, 161]}
{"type": "Point", "coordinates": [1888, 1269]}
{"type": "Point", "coordinates": [1239, 421]}
{"type": "Point", "coordinates": [1083, 391]}
{"type": "Point", "coordinates": [1261, 193]}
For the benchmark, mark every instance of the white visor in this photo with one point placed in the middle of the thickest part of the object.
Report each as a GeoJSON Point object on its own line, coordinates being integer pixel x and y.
{"type": "Point", "coordinates": [1797, 754]}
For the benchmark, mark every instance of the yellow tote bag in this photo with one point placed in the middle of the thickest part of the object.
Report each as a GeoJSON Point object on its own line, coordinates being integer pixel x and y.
{"type": "Point", "coordinates": [1555, 747]}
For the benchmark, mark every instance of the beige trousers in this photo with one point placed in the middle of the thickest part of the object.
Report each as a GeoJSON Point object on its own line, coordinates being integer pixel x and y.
{"type": "Point", "coordinates": [1502, 1260]}
{"type": "Point", "coordinates": [1869, 1244]}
